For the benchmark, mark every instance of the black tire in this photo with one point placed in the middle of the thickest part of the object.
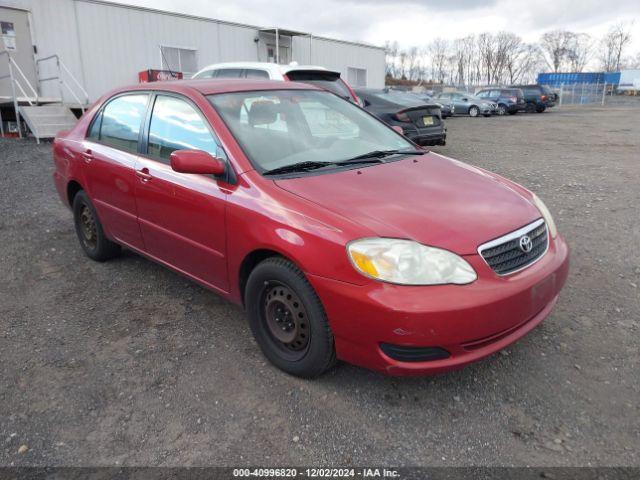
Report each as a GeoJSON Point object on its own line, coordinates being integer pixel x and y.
{"type": "Point", "coordinates": [89, 230]}
{"type": "Point", "coordinates": [474, 111]}
{"type": "Point", "coordinates": [502, 109]}
{"type": "Point", "coordinates": [275, 283]}
{"type": "Point", "coordinates": [540, 108]}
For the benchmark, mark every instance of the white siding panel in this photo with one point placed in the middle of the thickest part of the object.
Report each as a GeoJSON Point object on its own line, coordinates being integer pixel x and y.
{"type": "Point", "coordinates": [105, 46]}
{"type": "Point", "coordinates": [340, 56]}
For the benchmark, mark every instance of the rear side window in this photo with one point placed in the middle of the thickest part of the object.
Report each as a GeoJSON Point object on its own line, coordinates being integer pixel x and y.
{"type": "Point", "coordinates": [205, 74]}
{"type": "Point", "coordinates": [229, 73]}
{"type": "Point", "coordinates": [121, 121]}
{"type": "Point", "coordinates": [255, 73]}
{"type": "Point", "coordinates": [176, 125]}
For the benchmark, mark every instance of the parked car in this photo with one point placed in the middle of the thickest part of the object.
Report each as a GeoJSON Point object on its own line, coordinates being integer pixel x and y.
{"type": "Point", "coordinates": [538, 97]}
{"type": "Point", "coordinates": [420, 122]}
{"type": "Point", "coordinates": [339, 237]}
{"type": "Point", "coordinates": [312, 74]}
{"type": "Point", "coordinates": [446, 109]}
{"type": "Point", "coordinates": [466, 104]}
{"type": "Point", "coordinates": [509, 100]}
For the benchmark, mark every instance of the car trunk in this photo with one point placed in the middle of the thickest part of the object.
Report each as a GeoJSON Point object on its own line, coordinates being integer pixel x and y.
{"type": "Point", "coordinates": [423, 116]}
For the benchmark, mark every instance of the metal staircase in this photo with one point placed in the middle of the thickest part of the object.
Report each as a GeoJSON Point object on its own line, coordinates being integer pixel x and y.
{"type": "Point", "coordinates": [44, 116]}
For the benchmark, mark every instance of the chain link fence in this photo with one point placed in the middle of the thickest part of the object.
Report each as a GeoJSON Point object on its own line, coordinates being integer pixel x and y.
{"type": "Point", "coordinates": [583, 93]}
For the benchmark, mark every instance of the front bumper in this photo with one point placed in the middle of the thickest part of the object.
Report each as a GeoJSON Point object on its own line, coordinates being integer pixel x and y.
{"type": "Point", "coordinates": [470, 321]}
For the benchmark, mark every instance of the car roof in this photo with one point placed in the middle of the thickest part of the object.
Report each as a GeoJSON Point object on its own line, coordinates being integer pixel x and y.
{"type": "Point", "coordinates": [267, 66]}
{"type": "Point", "coordinates": [213, 86]}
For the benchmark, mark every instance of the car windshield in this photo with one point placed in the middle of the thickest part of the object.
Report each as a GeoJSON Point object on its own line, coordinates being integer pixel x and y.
{"type": "Point", "coordinates": [277, 128]}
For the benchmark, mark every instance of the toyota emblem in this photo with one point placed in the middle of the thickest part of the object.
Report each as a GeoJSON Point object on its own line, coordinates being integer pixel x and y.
{"type": "Point", "coordinates": [526, 245]}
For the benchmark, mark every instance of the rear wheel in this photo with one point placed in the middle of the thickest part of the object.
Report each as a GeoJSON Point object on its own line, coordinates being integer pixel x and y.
{"type": "Point", "coordinates": [474, 111]}
{"type": "Point", "coordinates": [89, 230]}
{"type": "Point", "coordinates": [540, 108]}
{"type": "Point", "coordinates": [502, 109]}
{"type": "Point", "coordinates": [530, 107]}
{"type": "Point", "coordinates": [287, 319]}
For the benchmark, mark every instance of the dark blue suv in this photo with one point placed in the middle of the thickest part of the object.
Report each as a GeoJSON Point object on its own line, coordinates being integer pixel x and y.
{"type": "Point", "coordinates": [509, 100]}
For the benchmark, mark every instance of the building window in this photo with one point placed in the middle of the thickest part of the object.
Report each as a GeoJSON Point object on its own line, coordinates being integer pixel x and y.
{"type": "Point", "coordinates": [357, 77]}
{"type": "Point", "coordinates": [179, 60]}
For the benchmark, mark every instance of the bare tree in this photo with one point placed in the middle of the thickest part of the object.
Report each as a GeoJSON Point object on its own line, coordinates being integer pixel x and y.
{"type": "Point", "coordinates": [391, 57]}
{"type": "Point", "coordinates": [555, 46]}
{"type": "Point", "coordinates": [413, 63]}
{"type": "Point", "coordinates": [438, 51]}
{"type": "Point", "coordinates": [487, 54]}
{"type": "Point", "coordinates": [613, 46]}
{"type": "Point", "coordinates": [579, 52]}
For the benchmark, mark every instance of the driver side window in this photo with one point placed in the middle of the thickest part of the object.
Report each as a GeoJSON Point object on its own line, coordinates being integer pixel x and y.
{"type": "Point", "coordinates": [176, 125]}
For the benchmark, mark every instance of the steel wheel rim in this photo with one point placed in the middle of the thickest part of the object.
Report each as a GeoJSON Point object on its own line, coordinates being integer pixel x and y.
{"type": "Point", "coordinates": [286, 320]}
{"type": "Point", "coordinates": [88, 227]}
{"type": "Point", "coordinates": [501, 111]}
{"type": "Point", "coordinates": [473, 112]}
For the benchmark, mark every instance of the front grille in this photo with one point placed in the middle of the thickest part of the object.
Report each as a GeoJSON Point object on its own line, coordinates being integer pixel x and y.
{"type": "Point", "coordinates": [505, 255]}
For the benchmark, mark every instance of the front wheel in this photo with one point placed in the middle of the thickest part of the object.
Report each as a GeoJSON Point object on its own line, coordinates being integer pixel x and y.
{"type": "Point", "coordinates": [541, 108]}
{"type": "Point", "coordinates": [502, 109]}
{"type": "Point", "coordinates": [90, 232]}
{"type": "Point", "coordinates": [474, 111]}
{"type": "Point", "coordinates": [287, 319]}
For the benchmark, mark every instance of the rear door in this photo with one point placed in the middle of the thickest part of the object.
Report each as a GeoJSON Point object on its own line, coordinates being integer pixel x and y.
{"type": "Point", "coordinates": [109, 153]}
{"type": "Point", "coordinates": [182, 216]}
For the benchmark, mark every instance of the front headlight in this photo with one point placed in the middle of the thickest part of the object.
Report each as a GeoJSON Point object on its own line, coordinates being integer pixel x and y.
{"type": "Point", "coordinates": [407, 262]}
{"type": "Point", "coordinates": [546, 214]}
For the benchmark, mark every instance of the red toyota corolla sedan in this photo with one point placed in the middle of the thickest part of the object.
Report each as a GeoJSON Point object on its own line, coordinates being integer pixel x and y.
{"type": "Point", "coordinates": [342, 239]}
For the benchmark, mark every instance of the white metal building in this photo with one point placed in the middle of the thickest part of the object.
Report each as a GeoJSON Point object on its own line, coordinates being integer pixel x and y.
{"type": "Point", "coordinates": [95, 45]}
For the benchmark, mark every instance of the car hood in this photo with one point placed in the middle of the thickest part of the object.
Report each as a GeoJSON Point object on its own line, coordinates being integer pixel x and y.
{"type": "Point", "coordinates": [430, 199]}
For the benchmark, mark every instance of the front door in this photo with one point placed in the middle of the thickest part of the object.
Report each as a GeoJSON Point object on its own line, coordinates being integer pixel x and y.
{"type": "Point", "coordinates": [15, 38]}
{"type": "Point", "coordinates": [181, 216]}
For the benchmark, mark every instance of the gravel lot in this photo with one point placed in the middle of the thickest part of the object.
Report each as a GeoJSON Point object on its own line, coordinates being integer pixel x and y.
{"type": "Point", "coordinates": [127, 363]}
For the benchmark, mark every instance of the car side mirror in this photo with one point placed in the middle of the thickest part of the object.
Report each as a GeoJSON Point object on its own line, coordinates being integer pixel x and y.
{"type": "Point", "coordinates": [398, 129]}
{"type": "Point", "coordinates": [196, 161]}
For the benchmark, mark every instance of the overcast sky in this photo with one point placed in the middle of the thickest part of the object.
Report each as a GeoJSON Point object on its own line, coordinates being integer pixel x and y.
{"type": "Point", "coordinates": [416, 22]}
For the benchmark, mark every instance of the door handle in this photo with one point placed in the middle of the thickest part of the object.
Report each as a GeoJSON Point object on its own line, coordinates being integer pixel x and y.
{"type": "Point", "coordinates": [144, 174]}
{"type": "Point", "coordinates": [87, 156]}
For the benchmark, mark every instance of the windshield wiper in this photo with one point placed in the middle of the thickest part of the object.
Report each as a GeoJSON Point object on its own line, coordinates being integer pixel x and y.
{"type": "Point", "coordinates": [376, 155]}
{"type": "Point", "coordinates": [297, 167]}
{"type": "Point", "coordinates": [371, 157]}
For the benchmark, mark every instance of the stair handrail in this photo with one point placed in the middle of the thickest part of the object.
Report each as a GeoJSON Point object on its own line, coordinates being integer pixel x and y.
{"type": "Point", "coordinates": [26, 80]}
{"type": "Point", "coordinates": [63, 68]}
